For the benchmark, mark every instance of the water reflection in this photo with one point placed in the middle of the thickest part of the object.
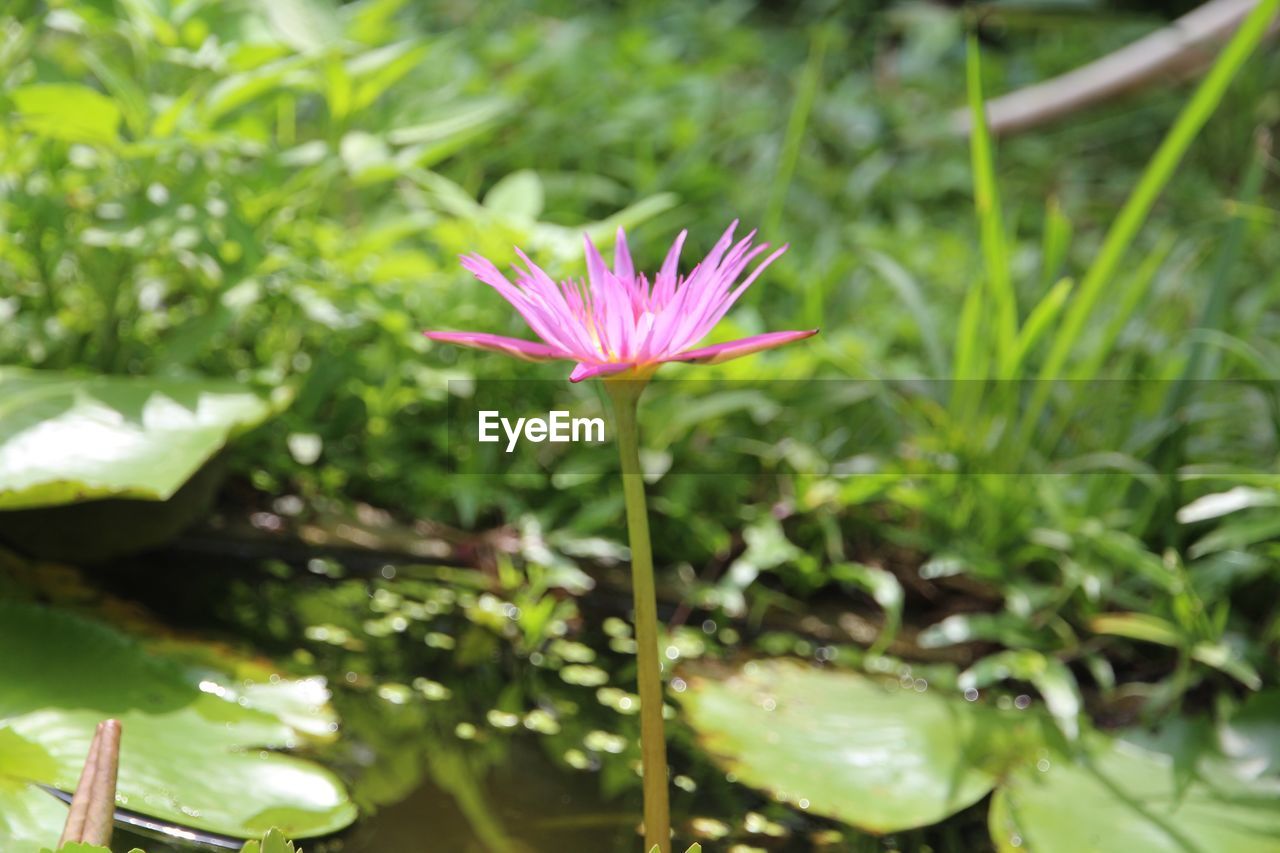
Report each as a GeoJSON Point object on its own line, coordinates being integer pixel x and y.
{"type": "Point", "coordinates": [487, 714]}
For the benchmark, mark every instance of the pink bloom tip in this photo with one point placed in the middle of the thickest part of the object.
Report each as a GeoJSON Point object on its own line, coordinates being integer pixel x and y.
{"type": "Point", "coordinates": [619, 321]}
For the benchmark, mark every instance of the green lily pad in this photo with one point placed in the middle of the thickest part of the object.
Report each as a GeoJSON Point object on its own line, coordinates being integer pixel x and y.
{"type": "Point", "coordinates": [65, 439]}
{"type": "Point", "coordinates": [867, 752]}
{"type": "Point", "coordinates": [193, 752]}
{"type": "Point", "coordinates": [1121, 795]}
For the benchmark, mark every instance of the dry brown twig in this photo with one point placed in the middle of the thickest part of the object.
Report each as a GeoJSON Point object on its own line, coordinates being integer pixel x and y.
{"type": "Point", "coordinates": [1183, 49]}
{"type": "Point", "coordinates": [93, 807]}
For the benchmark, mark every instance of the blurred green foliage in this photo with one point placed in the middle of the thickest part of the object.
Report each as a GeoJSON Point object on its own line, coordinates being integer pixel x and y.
{"type": "Point", "coordinates": [276, 193]}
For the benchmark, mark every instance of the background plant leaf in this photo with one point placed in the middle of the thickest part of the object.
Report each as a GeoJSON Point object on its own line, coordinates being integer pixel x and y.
{"type": "Point", "coordinates": [68, 111]}
{"type": "Point", "coordinates": [65, 438]}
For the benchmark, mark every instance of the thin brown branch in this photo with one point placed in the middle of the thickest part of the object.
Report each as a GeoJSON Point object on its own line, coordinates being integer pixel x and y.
{"type": "Point", "coordinates": [93, 807]}
{"type": "Point", "coordinates": [1183, 49]}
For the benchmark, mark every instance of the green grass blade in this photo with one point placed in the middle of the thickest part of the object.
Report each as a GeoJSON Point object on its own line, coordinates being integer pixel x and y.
{"type": "Point", "coordinates": [971, 361]}
{"type": "Point", "coordinates": [1153, 181]}
{"type": "Point", "coordinates": [1129, 294]}
{"type": "Point", "coordinates": [1055, 243]}
{"type": "Point", "coordinates": [806, 94]}
{"type": "Point", "coordinates": [998, 282]}
{"type": "Point", "coordinates": [1039, 320]}
{"type": "Point", "coordinates": [1203, 361]}
{"type": "Point", "coordinates": [1205, 356]}
{"type": "Point", "coordinates": [1134, 213]}
{"type": "Point", "coordinates": [913, 299]}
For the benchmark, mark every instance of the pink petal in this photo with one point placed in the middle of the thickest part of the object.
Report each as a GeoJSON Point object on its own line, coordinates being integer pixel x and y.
{"type": "Point", "coordinates": [597, 271]}
{"type": "Point", "coordinates": [527, 350]}
{"type": "Point", "coordinates": [541, 319]}
{"type": "Point", "coordinates": [622, 266]}
{"type": "Point", "coordinates": [555, 300]}
{"type": "Point", "coordinates": [740, 289]}
{"type": "Point", "coordinates": [664, 284]}
{"type": "Point", "coordinates": [743, 346]}
{"type": "Point", "coordinates": [712, 300]}
{"type": "Point", "coordinates": [587, 371]}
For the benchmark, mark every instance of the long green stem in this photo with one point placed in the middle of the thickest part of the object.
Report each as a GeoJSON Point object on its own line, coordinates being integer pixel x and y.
{"type": "Point", "coordinates": [653, 744]}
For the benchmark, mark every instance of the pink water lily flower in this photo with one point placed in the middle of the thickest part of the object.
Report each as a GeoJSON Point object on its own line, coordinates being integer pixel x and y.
{"type": "Point", "coordinates": [618, 322]}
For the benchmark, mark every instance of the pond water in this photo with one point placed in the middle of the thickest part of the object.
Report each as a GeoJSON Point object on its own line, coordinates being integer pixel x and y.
{"type": "Point", "coordinates": [487, 712]}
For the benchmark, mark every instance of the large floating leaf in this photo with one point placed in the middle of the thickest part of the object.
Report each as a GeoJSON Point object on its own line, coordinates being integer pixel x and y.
{"type": "Point", "coordinates": [65, 439]}
{"type": "Point", "coordinates": [873, 754]}
{"type": "Point", "coordinates": [193, 754]}
{"type": "Point", "coordinates": [1120, 796]}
